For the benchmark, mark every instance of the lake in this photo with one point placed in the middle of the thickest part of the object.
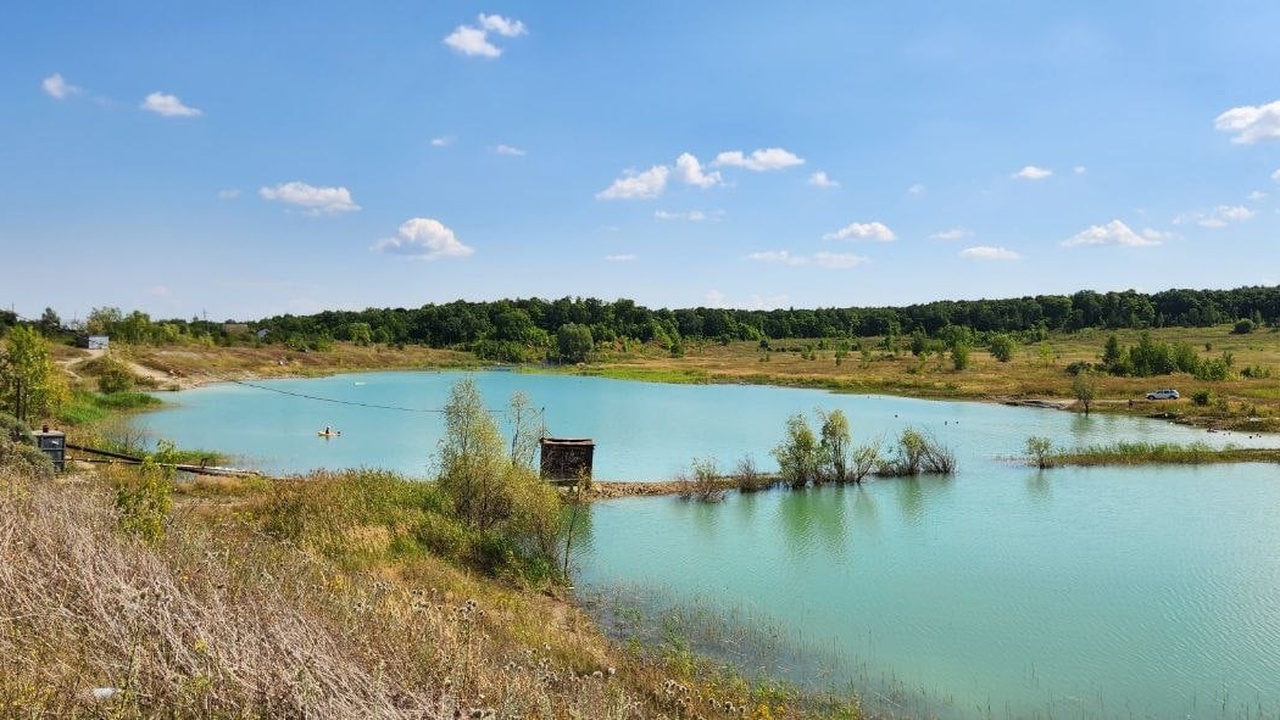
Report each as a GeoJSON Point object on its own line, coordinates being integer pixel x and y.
{"type": "Point", "coordinates": [1001, 591]}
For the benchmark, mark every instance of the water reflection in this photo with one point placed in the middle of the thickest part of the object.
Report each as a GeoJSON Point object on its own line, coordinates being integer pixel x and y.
{"type": "Point", "coordinates": [1038, 487]}
{"type": "Point", "coordinates": [812, 516]}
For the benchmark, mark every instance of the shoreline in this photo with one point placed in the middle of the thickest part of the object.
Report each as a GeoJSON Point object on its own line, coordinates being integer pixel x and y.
{"type": "Point", "coordinates": [178, 369]}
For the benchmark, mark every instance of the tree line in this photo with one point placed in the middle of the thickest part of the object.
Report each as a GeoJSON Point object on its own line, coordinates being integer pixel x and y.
{"type": "Point", "coordinates": [567, 329]}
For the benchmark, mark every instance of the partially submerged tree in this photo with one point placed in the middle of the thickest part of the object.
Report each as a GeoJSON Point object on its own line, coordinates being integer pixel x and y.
{"type": "Point", "coordinates": [834, 445]}
{"type": "Point", "coordinates": [1039, 448]}
{"type": "Point", "coordinates": [798, 455]}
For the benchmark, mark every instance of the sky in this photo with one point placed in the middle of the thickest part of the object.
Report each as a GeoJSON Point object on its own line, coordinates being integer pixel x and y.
{"type": "Point", "coordinates": [238, 160]}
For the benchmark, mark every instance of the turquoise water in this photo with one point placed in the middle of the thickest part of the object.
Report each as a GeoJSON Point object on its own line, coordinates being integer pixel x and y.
{"type": "Point", "coordinates": [1000, 592]}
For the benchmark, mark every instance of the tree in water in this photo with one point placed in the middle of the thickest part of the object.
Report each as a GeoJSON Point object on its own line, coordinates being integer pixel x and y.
{"type": "Point", "coordinates": [834, 445]}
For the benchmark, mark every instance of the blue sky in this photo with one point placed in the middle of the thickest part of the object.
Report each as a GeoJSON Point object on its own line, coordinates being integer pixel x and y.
{"type": "Point", "coordinates": [240, 160]}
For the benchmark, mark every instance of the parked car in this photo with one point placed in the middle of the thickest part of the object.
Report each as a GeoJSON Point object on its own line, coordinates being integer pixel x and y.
{"type": "Point", "coordinates": [1165, 394]}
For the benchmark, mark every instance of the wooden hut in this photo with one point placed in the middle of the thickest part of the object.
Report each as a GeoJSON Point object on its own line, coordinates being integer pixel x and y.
{"type": "Point", "coordinates": [566, 459]}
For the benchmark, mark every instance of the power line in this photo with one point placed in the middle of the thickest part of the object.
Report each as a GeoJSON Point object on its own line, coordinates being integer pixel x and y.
{"type": "Point", "coordinates": [336, 400]}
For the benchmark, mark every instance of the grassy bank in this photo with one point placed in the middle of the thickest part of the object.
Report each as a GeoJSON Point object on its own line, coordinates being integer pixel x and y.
{"type": "Point", "coordinates": [1144, 453]}
{"type": "Point", "coordinates": [335, 595]}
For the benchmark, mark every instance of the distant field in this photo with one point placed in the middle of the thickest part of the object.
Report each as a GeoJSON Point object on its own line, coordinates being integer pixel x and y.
{"type": "Point", "coordinates": [1037, 371]}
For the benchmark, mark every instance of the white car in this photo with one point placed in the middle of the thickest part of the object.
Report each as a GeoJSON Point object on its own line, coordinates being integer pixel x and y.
{"type": "Point", "coordinates": [1166, 394]}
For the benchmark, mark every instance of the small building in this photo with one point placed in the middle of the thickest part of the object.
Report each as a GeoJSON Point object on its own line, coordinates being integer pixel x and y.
{"type": "Point", "coordinates": [93, 342]}
{"type": "Point", "coordinates": [566, 459]}
{"type": "Point", "coordinates": [53, 444]}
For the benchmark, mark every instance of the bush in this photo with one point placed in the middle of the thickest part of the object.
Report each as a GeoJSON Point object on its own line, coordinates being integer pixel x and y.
{"type": "Point", "coordinates": [1243, 326]}
{"type": "Point", "coordinates": [918, 454]}
{"type": "Point", "coordinates": [24, 460]}
{"type": "Point", "coordinates": [748, 476]}
{"type": "Point", "coordinates": [1200, 398]}
{"type": "Point", "coordinates": [1001, 347]}
{"type": "Point", "coordinates": [702, 483]}
{"type": "Point", "coordinates": [114, 376]}
{"type": "Point", "coordinates": [15, 430]}
{"type": "Point", "coordinates": [1039, 448]}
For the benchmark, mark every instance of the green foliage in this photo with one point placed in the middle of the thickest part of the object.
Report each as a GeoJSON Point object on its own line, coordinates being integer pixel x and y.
{"type": "Point", "coordinates": [702, 482]}
{"type": "Point", "coordinates": [799, 457]}
{"type": "Point", "coordinates": [1243, 326]}
{"type": "Point", "coordinates": [24, 460]}
{"type": "Point", "coordinates": [918, 453]}
{"type": "Point", "coordinates": [143, 499]}
{"type": "Point", "coordinates": [960, 356]}
{"type": "Point", "coordinates": [489, 488]}
{"type": "Point", "coordinates": [1039, 448]}
{"type": "Point", "coordinates": [30, 384]}
{"type": "Point", "coordinates": [1001, 347]}
{"type": "Point", "coordinates": [11, 428]}
{"type": "Point", "coordinates": [1085, 387]}
{"type": "Point", "coordinates": [833, 448]}
{"type": "Point", "coordinates": [574, 342]}
{"type": "Point", "coordinates": [114, 376]}
{"type": "Point", "coordinates": [1201, 398]}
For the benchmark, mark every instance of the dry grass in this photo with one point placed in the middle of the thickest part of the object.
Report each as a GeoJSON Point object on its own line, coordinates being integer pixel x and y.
{"type": "Point", "coordinates": [216, 620]}
{"type": "Point", "coordinates": [1036, 371]}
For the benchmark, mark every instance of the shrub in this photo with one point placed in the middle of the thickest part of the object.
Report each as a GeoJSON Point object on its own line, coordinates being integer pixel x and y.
{"type": "Point", "coordinates": [114, 376]}
{"type": "Point", "coordinates": [1200, 398]}
{"type": "Point", "coordinates": [798, 455]}
{"type": "Point", "coordinates": [960, 356]}
{"type": "Point", "coordinates": [143, 497]}
{"type": "Point", "coordinates": [1039, 448]}
{"type": "Point", "coordinates": [1244, 326]}
{"type": "Point", "coordinates": [15, 430]}
{"type": "Point", "coordinates": [24, 460]}
{"type": "Point", "coordinates": [917, 454]}
{"type": "Point", "coordinates": [748, 476]}
{"type": "Point", "coordinates": [702, 482]}
{"type": "Point", "coordinates": [1001, 347]}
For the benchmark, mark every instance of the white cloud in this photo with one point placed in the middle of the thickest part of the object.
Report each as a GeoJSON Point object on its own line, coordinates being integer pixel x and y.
{"type": "Point", "coordinates": [1113, 233]}
{"type": "Point", "coordinates": [508, 150]}
{"type": "Point", "coordinates": [952, 234]}
{"type": "Point", "coordinates": [916, 189]}
{"type": "Point", "coordinates": [1276, 175]}
{"type": "Point", "coordinates": [862, 231]}
{"type": "Point", "coordinates": [1031, 172]}
{"type": "Point", "coordinates": [716, 299]}
{"type": "Point", "coordinates": [56, 86]}
{"type": "Point", "coordinates": [987, 252]}
{"type": "Point", "coordinates": [229, 194]}
{"type": "Point", "coordinates": [1251, 124]}
{"type": "Point", "coordinates": [1233, 213]}
{"type": "Point", "coordinates": [632, 185]}
{"type": "Point", "coordinates": [168, 106]}
{"type": "Point", "coordinates": [1256, 195]}
{"type": "Point", "coordinates": [474, 41]}
{"type": "Point", "coordinates": [1219, 217]}
{"type": "Point", "coordinates": [759, 160]}
{"type": "Point", "coordinates": [691, 216]}
{"type": "Point", "coordinates": [424, 238]}
{"type": "Point", "coordinates": [625, 257]}
{"type": "Point", "coordinates": [1079, 169]}
{"type": "Point", "coordinates": [689, 170]}
{"type": "Point", "coordinates": [834, 261]}
{"type": "Point", "coordinates": [781, 257]}
{"type": "Point", "coordinates": [316, 200]}
{"type": "Point", "coordinates": [442, 141]}
{"type": "Point", "coordinates": [820, 179]}
{"type": "Point", "coordinates": [505, 27]}
{"type": "Point", "coordinates": [1157, 235]}
{"type": "Point", "coordinates": [839, 261]}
